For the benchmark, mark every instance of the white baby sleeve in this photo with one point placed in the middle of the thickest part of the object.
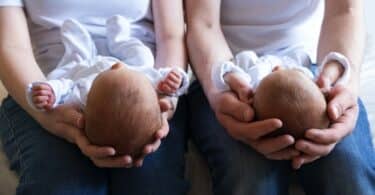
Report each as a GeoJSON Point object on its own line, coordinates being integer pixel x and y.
{"type": "Point", "coordinates": [219, 70]}
{"type": "Point", "coordinates": [61, 89]}
{"type": "Point", "coordinates": [344, 79]}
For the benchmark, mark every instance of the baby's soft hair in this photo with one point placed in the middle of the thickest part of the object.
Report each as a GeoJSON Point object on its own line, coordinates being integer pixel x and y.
{"type": "Point", "coordinates": [294, 98]}
{"type": "Point", "coordinates": [122, 112]}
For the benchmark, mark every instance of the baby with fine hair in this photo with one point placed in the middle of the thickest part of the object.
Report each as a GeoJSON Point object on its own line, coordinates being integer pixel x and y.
{"type": "Point", "coordinates": [119, 95]}
{"type": "Point", "coordinates": [283, 87]}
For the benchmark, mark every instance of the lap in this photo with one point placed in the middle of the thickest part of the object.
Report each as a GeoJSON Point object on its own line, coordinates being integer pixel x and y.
{"type": "Point", "coordinates": [47, 164]}
{"type": "Point", "coordinates": [235, 166]}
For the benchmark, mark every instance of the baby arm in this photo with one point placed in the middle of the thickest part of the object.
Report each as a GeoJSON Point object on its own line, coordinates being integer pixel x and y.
{"type": "Point", "coordinates": [47, 95]}
{"type": "Point", "coordinates": [43, 97]}
{"type": "Point", "coordinates": [335, 69]}
{"type": "Point", "coordinates": [171, 83]}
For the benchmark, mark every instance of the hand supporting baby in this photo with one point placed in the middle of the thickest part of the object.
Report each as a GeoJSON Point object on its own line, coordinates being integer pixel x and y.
{"type": "Point", "coordinates": [342, 110]}
{"type": "Point", "coordinates": [245, 129]}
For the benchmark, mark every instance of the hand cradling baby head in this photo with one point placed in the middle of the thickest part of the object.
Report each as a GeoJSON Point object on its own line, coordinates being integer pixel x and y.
{"type": "Point", "coordinates": [292, 97]}
{"type": "Point", "coordinates": [122, 111]}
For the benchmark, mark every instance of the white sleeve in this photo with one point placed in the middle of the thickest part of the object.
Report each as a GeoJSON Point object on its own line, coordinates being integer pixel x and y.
{"type": "Point", "coordinates": [219, 70]}
{"type": "Point", "coordinates": [344, 79]}
{"type": "Point", "coordinates": [61, 89]}
{"type": "Point", "coordinates": [185, 79]}
{"type": "Point", "coordinates": [18, 3]}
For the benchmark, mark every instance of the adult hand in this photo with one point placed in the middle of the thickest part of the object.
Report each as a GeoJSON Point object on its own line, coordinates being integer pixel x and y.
{"type": "Point", "coordinates": [343, 112]}
{"type": "Point", "coordinates": [168, 107]}
{"type": "Point", "coordinates": [236, 116]}
{"type": "Point", "coordinates": [168, 104]}
{"type": "Point", "coordinates": [66, 121]}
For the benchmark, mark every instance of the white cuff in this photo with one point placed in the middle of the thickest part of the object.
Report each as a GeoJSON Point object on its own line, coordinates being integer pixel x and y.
{"type": "Point", "coordinates": [335, 56]}
{"type": "Point", "coordinates": [219, 70]}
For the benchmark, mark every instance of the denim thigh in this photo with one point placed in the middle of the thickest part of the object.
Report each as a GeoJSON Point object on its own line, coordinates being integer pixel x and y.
{"type": "Point", "coordinates": [238, 169]}
{"type": "Point", "coordinates": [235, 167]}
{"type": "Point", "coordinates": [348, 169]}
{"type": "Point", "coordinates": [46, 164]}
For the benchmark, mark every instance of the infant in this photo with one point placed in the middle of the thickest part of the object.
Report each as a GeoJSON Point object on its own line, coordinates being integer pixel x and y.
{"type": "Point", "coordinates": [284, 88]}
{"type": "Point", "coordinates": [119, 96]}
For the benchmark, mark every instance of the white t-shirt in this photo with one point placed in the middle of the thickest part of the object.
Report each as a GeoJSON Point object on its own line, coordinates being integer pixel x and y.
{"type": "Point", "coordinates": [46, 16]}
{"type": "Point", "coordinates": [272, 26]}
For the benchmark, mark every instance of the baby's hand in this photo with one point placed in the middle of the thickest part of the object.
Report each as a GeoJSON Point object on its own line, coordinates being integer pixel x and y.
{"type": "Point", "coordinates": [171, 83]}
{"type": "Point", "coordinates": [331, 73]}
{"type": "Point", "coordinates": [42, 96]}
{"type": "Point", "coordinates": [238, 84]}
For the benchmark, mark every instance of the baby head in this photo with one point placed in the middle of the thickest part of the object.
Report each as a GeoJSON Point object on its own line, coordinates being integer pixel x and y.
{"type": "Point", "coordinates": [122, 111]}
{"type": "Point", "coordinates": [294, 98]}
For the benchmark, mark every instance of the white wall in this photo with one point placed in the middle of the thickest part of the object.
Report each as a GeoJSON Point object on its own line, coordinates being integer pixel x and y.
{"type": "Point", "coordinates": [370, 16]}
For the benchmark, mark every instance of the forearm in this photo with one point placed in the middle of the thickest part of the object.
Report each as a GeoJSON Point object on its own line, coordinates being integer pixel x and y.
{"type": "Point", "coordinates": [170, 34]}
{"type": "Point", "coordinates": [171, 53]}
{"type": "Point", "coordinates": [18, 67]}
{"type": "Point", "coordinates": [343, 31]}
{"type": "Point", "coordinates": [205, 40]}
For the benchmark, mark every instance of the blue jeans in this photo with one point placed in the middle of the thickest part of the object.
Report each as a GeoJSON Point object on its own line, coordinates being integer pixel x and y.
{"type": "Point", "coordinates": [48, 165]}
{"type": "Point", "coordinates": [238, 169]}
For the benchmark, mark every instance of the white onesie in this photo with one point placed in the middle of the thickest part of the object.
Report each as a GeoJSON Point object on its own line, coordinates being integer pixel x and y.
{"type": "Point", "coordinates": [253, 68]}
{"type": "Point", "coordinates": [72, 79]}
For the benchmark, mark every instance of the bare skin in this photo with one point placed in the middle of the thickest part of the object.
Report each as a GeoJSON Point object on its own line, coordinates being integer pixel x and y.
{"type": "Point", "coordinates": [19, 67]}
{"type": "Point", "coordinates": [207, 46]}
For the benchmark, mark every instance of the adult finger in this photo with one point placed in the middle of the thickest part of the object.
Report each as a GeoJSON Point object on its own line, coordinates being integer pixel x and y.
{"type": "Point", "coordinates": [230, 105]}
{"type": "Point", "coordinates": [164, 130]}
{"type": "Point", "coordinates": [341, 100]}
{"type": "Point", "coordinates": [285, 154]}
{"type": "Point", "coordinates": [268, 146]}
{"type": "Point", "coordinates": [71, 116]}
{"type": "Point", "coordinates": [298, 161]}
{"type": "Point", "coordinates": [313, 149]}
{"type": "Point", "coordinates": [115, 162]}
{"type": "Point", "coordinates": [93, 151]}
{"type": "Point", "coordinates": [337, 131]}
{"type": "Point", "coordinates": [248, 131]}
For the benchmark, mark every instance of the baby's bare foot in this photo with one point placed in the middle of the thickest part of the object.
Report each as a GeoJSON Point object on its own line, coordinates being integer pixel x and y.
{"type": "Point", "coordinates": [43, 96]}
{"type": "Point", "coordinates": [171, 83]}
